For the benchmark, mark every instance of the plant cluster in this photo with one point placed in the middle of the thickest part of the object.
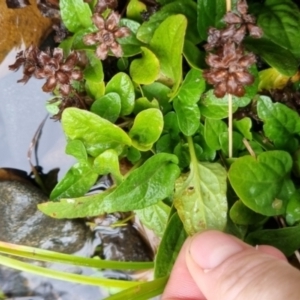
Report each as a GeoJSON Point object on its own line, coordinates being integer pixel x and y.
{"type": "Point", "coordinates": [158, 112]}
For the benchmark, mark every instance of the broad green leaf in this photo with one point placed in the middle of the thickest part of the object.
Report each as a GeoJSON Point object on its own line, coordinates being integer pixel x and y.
{"type": "Point", "coordinates": [188, 116]}
{"type": "Point", "coordinates": [160, 92]}
{"type": "Point", "coordinates": [146, 185]}
{"type": "Point", "coordinates": [193, 55]}
{"type": "Point", "coordinates": [274, 55]}
{"type": "Point", "coordinates": [133, 155]}
{"type": "Point", "coordinates": [285, 239]}
{"type": "Point", "coordinates": [146, 129]}
{"type": "Point", "coordinates": [169, 247]}
{"type": "Point", "coordinates": [165, 144]}
{"type": "Point", "coordinates": [76, 148]}
{"type": "Point", "coordinates": [167, 45]}
{"type": "Point", "coordinates": [187, 8]}
{"type": "Point", "coordinates": [95, 89]}
{"type": "Point", "coordinates": [217, 108]}
{"type": "Point", "coordinates": [94, 70]}
{"type": "Point", "coordinates": [210, 14]}
{"type": "Point", "coordinates": [108, 163]}
{"type": "Point", "coordinates": [107, 106]}
{"type": "Point", "coordinates": [155, 217]}
{"type": "Point", "coordinates": [212, 131]}
{"type": "Point", "coordinates": [258, 181]}
{"type": "Point", "coordinates": [130, 44]}
{"type": "Point", "coordinates": [77, 181]}
{"type": "Point", "coordinates": [75, 14]}
{"type": "Point", "coordinates": [73, 208]}
{"type": "Point", "coordinates": [187, 111]}
{"type": "Point", "coordinates": [192, 87]}
{"type": "Point", "coordinates": [240, 214]}
{"type": "Point", "coordinates": [207, 153]}
{"type": "Point", "coordinates": [200, 197]}
{"type": "Point", "coordinates": [293, 209]}
{"type": "Point", "coordinates": [143, 103]}
{"type": "Point", "coordinates": [281, 123]}
{"type": "Point", "coordinates": [122, 85]}
{"type": "Point", "coordinates": [280, 22]}
{"type": "Point", "coordinates": [237, 143]}
{"type": "Point", "coordinates": [96, 133]}
{"type": "Point", "coordinates": [271, 79]}
{"type": "Point", "coordinates": [148, 62]}
{"type": "Point", "coordinates": [244, 127]}
{"type": "Point", "coordinates": [134, 10]}
{"type": "Point", "coordinates": [171, 125]}
{"type": "Point", "coordinates": [181, 150]}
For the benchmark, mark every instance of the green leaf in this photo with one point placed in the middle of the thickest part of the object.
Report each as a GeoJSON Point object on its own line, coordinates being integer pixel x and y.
{"type": "Point", "coordinates": [146, 129]}
{"type": "Point", "coordinates": [97, 134]}
{"type": "Point", "coordinates": [193, 55]}
{"type": "Point", "coordinates": [207, 153]}
{"type": "Point", "coordinates": [143, 103]}
{"type": "Point", "coordinates": [108, 163]}
{"type": "Point", "coordinates": [94, 70]}
{"type": "Point", "coordinates": [145, 186]}
{"type": "Point", "coordinates": [237, 143]}
{"type": "Point", "coordinates": [188, 116]}
{"type": "Point", "coordinates": [217, 108]}
{"type": "Point", "coordinates": [286, 239]}
{"type": "Point", "coordinates": [187, 111]}
{"type": "Point", "coordinates": [107, 106]}
{"type": "Point", "coordinates": [159, 92]}
{"type": "Point", "coordinates": [169, 247]}
{"type": "Point", "coordinates": [73, 208]}
{"type": "Point", "coordinates": [244, 127]}
{"type": "Point", "coordinates": [122, 85]}
{"type": "Point", "coordinates": [258, 181]}
{"type": "Point", "coordinates": [212, 131]}
{"type": "Point", "coordinates": [293, 209]}
{"type": "Point", "coordinates": [240, 214]}
{"type": "Point", "coordinates": [281, 123]}
{"type": "Point", "coordinates": [75, 14]}
{"type": "Point", "coordinates": [77, 181]}
{"type": "Point", "coordinates": [274, 55]}
{"type": "Point", "coordinates": [130, 44]}
{"type": "Point", "coordinates": [280, 22]}
{"type": "Point", "coordinates": [186, 8]}
{"type": "Point", "coordinates": [76, 148]}
{"type": "Point", "coordinates": [171, 125]}
{"type": "Point", "coordinates": [200, 197]}
{"type": "Point", "coordinates": [134, 10]}
{"type": "Point", "coordinates": [167, 45]}
{"type": "Point", "coordinates": [95, 89]}
{"type": "Point", "coordinates": [155, 217]}
{"type": "Point", "coordinates": [133, 155]}
{"type": "Point", "coordinates": [148, 62]}
{"type": "Point", "coordinates": [210, 14]}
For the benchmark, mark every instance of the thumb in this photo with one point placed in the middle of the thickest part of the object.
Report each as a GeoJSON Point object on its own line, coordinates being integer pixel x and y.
{"type": "Point", "coordinates": [224, 267]}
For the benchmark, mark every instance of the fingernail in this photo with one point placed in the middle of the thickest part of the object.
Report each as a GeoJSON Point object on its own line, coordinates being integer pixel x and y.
{"type": "Point", "coordinates": [209, 249]}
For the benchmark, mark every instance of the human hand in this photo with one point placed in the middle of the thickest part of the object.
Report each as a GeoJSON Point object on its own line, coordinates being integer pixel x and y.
{"type": "Point", "coordinates": [216, 266]}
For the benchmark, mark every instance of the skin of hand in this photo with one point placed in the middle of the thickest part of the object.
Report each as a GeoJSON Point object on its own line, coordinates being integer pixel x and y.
{"type": "Point", "coordinates": [216, 266]}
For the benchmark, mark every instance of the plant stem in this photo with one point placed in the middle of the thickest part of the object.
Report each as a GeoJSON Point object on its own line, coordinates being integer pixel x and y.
{"type": "Point", "coordinates": [230, 139]}
{"type": "Point", "coordinates": [250, 150]}
{"type": "Point", "coordinates": [228, 5]}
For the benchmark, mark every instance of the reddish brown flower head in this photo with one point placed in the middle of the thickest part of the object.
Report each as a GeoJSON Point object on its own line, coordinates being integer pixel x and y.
{"type": "Point", "coordinates": [102, 5]}
{"type": "Point", "coordinates": [241, 18]}
{"type": "Point", "coordinates": [27, 59]}
{"type": "Point", "coordinates": [105, 37]}
{"type": "Point", "coordinates": [229, 70]}
{"type": "Point", "coordinates": [58, 71]}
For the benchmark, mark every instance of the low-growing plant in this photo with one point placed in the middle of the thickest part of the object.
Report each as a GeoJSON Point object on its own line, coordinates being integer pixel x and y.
{"type": "Point", "coordinates": [201, 98]}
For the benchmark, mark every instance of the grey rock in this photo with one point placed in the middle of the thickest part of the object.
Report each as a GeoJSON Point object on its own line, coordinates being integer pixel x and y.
{"type": "Point", "coordinates": [22, 223]}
